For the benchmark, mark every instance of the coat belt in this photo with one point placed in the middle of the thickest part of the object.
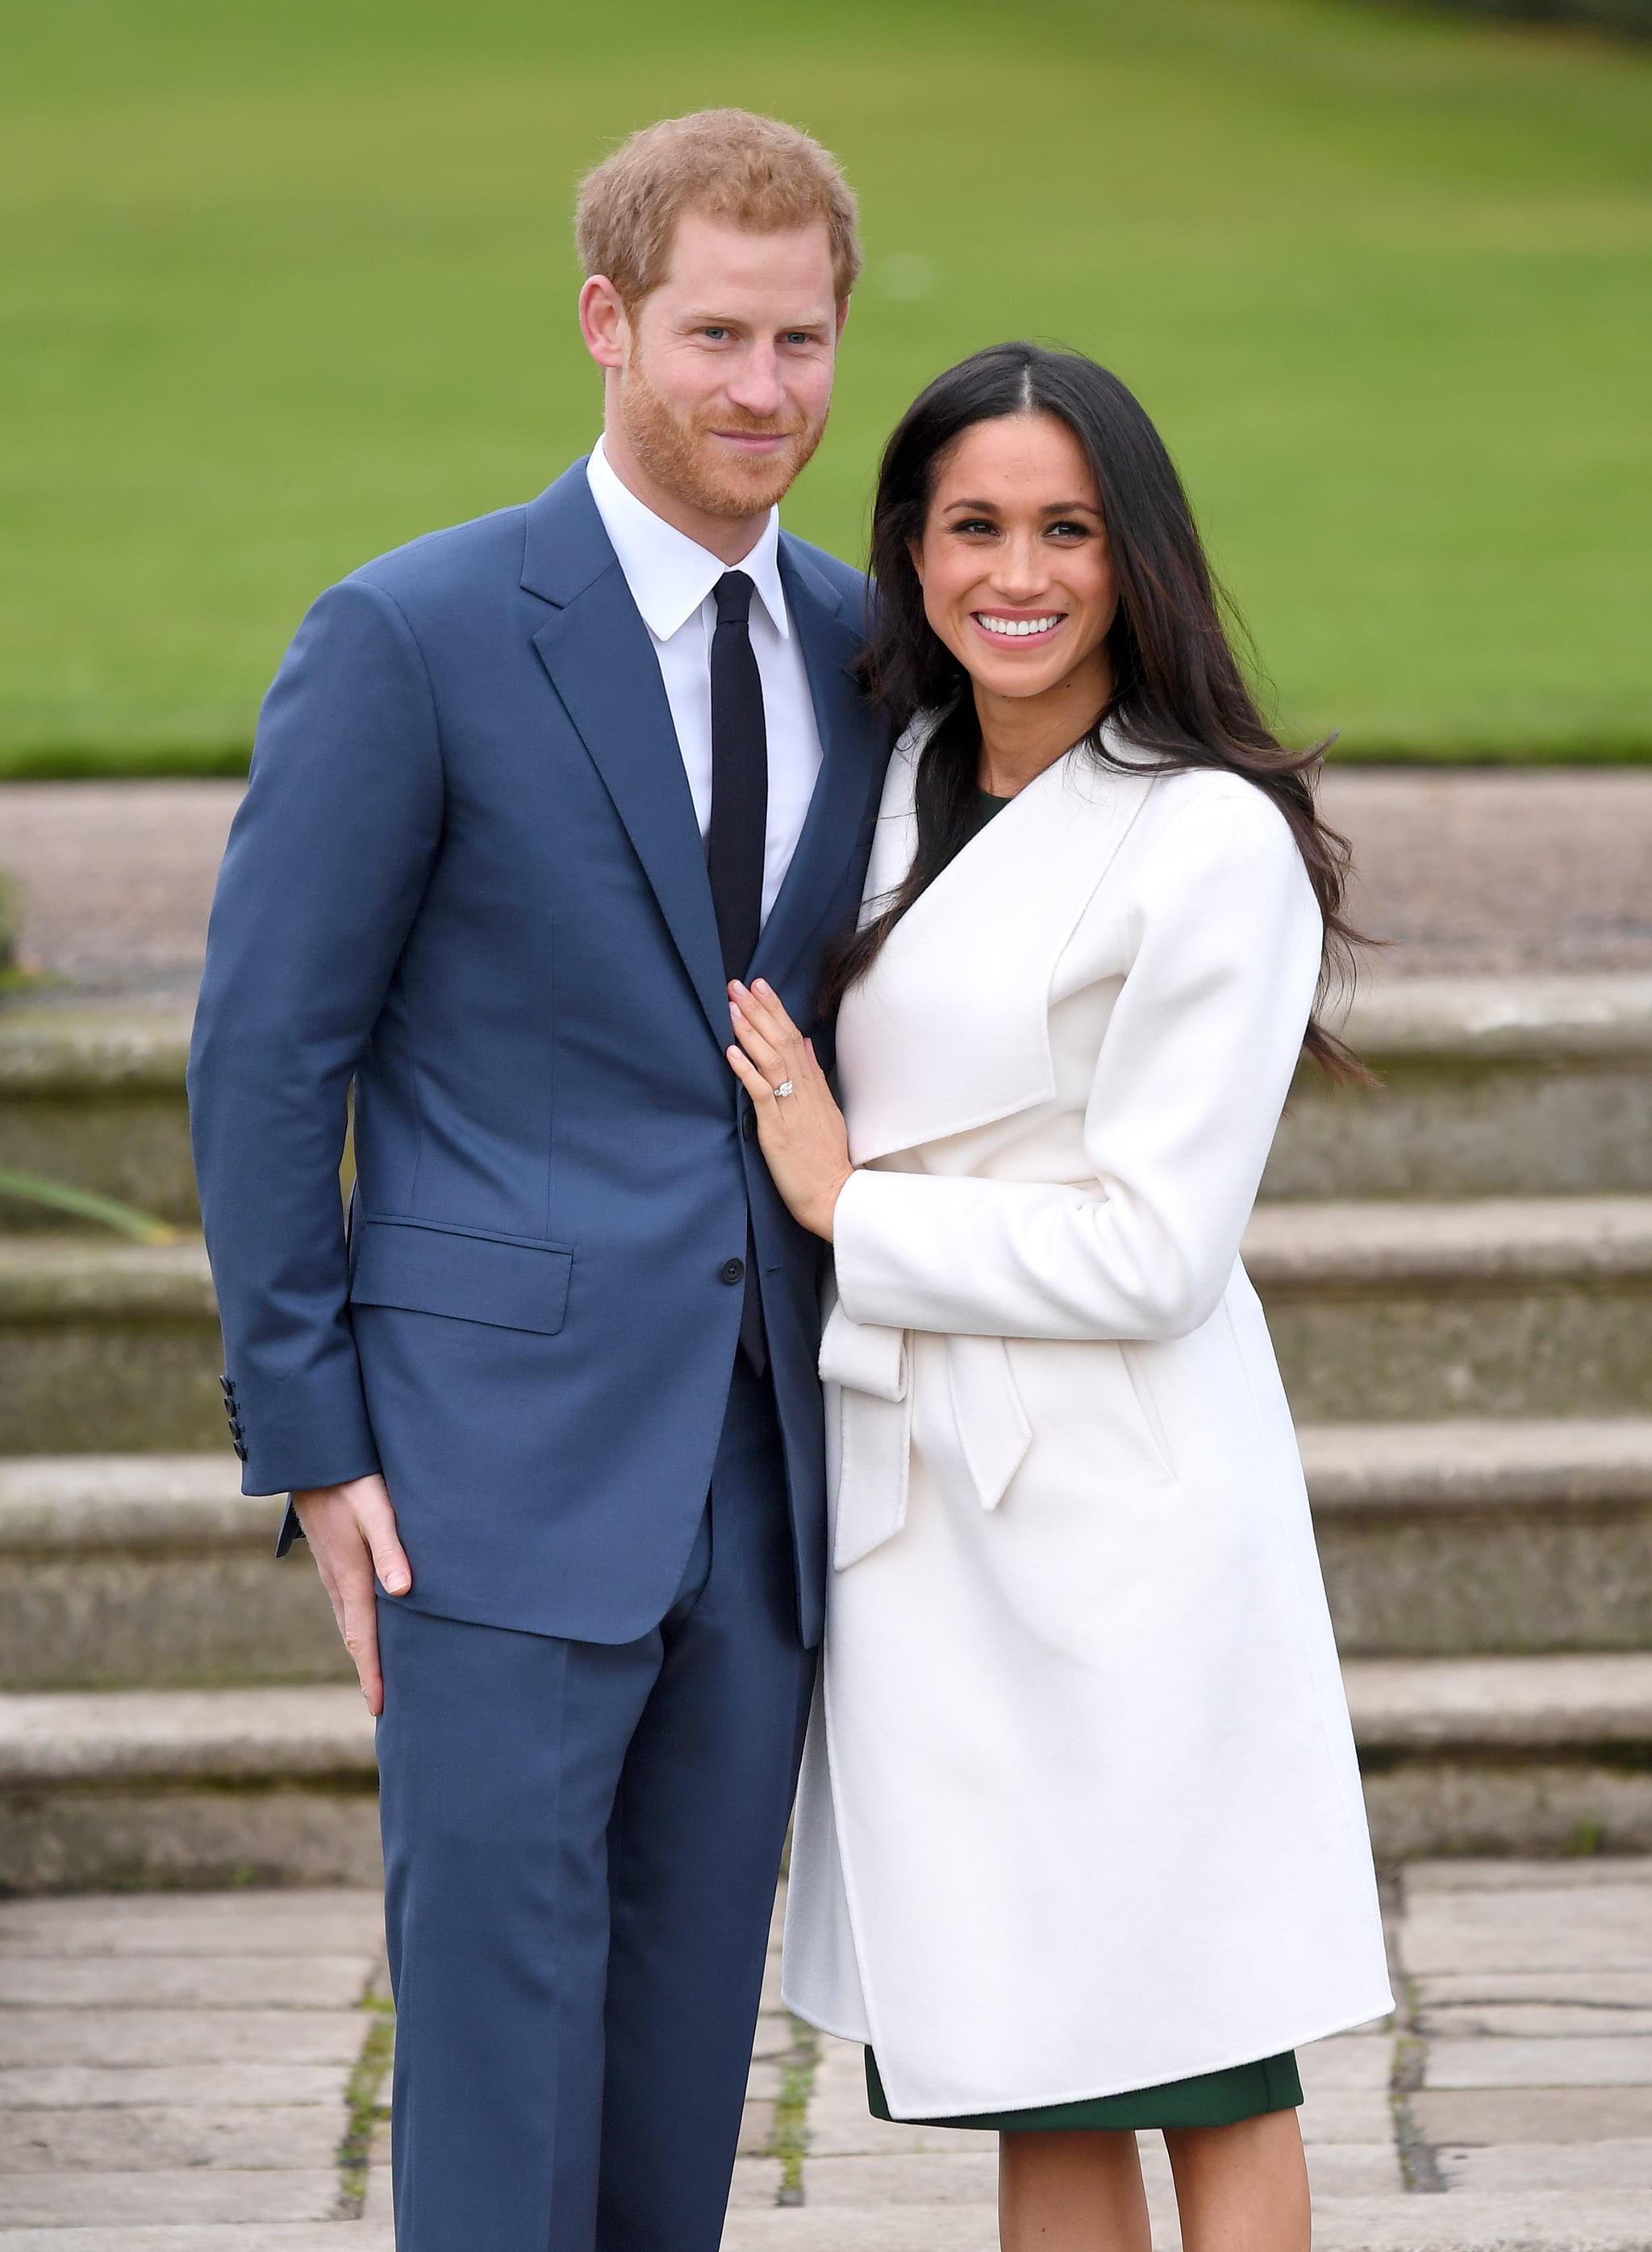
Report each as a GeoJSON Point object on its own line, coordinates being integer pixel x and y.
{"type": "Point", "coordinates": [868, 1373]}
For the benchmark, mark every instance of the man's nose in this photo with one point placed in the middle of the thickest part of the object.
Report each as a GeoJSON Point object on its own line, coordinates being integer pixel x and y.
{"type": "Point", "coordinates": [756, 382]}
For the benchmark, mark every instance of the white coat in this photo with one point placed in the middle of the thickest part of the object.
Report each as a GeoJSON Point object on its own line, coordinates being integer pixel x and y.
{"type": "Point", "coordinates": [1080, 1810]}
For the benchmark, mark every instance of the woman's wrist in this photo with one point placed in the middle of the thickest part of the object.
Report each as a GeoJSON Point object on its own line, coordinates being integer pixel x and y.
{"type": "Point", "coordinates": [820, 1220]}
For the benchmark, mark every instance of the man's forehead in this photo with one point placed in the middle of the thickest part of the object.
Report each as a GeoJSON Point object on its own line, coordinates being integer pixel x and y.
{"type": "Point", "coordinates": [710, 254]}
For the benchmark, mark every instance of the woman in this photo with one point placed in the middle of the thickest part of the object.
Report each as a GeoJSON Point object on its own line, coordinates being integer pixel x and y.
{"type": "Point", "coordinates": [1081, 1847]}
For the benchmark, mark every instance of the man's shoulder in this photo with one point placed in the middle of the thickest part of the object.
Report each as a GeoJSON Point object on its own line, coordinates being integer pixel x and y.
{"type": "Point", "coordinates": [482, 551]}
{"type": "Point", "coordinates": [846, 585]}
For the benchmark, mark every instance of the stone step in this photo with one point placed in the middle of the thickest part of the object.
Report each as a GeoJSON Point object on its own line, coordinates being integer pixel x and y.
{"type": "Point", "coordinates": [900, 2219]}
{"type": "Point", "coordinates": [1548, 1754]}
{"type": "Point", "coordinates": [151, 1571]}
{"type": "Point", "coordinates": [96, 1098]}
{"type": "Point", "coordinates": [117, 1788]}
{"type": "Point", "coordinates": [107, 1345]}
{"type": "Point", "coordinates": [1517, 1306]}
{"type": "Point", "coordinates": [1380, 1310]}
{"type": "Point", "coordinates": [1491, 1086]}
{"type": "Point", "coordinates": [1450, 1538]}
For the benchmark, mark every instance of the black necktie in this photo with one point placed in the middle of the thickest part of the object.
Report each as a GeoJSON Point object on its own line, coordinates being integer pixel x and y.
{"type": "Point", "coordinates": [740, 777]}
{"type": "Point", "coordinates": [735, 841]}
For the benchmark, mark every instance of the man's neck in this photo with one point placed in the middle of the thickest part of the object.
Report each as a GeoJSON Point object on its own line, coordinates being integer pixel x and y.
{"type": "Point", "coordinates": [731, 539]}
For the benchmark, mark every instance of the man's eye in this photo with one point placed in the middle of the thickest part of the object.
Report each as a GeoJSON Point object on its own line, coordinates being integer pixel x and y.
{"type": "Point", "coordinates": [798, 337]}
{"type": "Point", "coordinates": [716, 334]}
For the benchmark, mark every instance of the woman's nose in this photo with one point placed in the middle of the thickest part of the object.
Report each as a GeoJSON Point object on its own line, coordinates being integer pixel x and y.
{"type": "Point", "coordinates": [1020, 571]}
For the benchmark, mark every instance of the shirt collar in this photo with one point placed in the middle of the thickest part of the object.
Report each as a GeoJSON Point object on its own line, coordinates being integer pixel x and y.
{"type": "Point", "coordinates": [669, 574]}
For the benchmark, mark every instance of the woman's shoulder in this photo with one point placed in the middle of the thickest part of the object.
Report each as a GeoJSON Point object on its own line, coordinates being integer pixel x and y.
{"type": "Point", "coordinates": [1217, 800]}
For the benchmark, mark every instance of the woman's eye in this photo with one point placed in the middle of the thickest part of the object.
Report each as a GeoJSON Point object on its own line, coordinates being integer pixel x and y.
{"type": "Point", "coordinates": [1071, 531]}
{"type": "Point", "coordinates": [976, 524]}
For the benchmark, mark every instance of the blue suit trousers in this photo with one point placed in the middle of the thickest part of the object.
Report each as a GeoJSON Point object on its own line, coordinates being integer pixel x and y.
{"type": "Point", "coordinates": [581, 1844]}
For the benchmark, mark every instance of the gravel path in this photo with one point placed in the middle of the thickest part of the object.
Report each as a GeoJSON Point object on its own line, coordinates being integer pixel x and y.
{"type": "Point", "coordinates": [1472, 872]}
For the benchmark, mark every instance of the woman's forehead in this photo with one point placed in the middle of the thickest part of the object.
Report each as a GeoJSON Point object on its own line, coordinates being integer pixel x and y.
{"type": "Point", "coordinates": [1016, 458]}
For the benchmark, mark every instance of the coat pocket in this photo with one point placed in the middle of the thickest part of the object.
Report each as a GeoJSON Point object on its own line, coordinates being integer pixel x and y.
{"type": "Point", "coordinates": [1136, 1367]}
{"type": "Point", "coordinates": [426, 1267]}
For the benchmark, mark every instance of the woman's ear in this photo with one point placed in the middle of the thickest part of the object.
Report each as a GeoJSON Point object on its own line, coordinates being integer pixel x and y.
{"type": "Point", "coordinates": [915, 549]}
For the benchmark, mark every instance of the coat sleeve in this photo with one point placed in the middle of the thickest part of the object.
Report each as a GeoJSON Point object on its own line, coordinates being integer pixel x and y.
{"type": "Point", "coordinates": [327, 862]}
{"type": "Point", "coordinates": [1192, 1075]}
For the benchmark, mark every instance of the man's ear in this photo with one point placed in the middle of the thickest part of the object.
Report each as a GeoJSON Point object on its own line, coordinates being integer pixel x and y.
{"type": "Point", "coordinates": [843, 315]}
{"type": "Point", "coordinates": [604, 322]}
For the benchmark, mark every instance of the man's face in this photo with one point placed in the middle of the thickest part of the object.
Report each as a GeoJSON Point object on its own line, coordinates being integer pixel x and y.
{"type": "Point", "coordinates": [722, 377]}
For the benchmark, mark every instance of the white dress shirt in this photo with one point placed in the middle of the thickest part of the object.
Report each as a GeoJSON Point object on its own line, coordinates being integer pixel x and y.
{"type": "Point", "coordinates": [671, 579]}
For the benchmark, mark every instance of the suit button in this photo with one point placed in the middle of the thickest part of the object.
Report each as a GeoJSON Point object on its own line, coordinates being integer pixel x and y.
{"type": "Point", "coordinates": [227, 1387]}
{"type": "Point", "coordinates": [748, 1125]}
{"type": "Point", "coordinates": [240, 1452]}
{"type": "Point", "coordinates": [732, 1270]}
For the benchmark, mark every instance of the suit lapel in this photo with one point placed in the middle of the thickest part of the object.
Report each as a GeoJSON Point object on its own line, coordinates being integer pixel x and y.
{"type": "Point", "coordinates": [601, 663]}
{"type": "Point", "coordinates": [852, 739]}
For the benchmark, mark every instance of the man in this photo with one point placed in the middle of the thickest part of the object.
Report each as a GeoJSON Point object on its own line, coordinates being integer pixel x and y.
{"type": "Point", "coordinates": [526, 795]}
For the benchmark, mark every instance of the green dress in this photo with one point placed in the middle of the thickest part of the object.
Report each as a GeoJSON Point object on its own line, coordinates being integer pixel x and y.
{"type": "Point", "coordinates": [1210, 2099]}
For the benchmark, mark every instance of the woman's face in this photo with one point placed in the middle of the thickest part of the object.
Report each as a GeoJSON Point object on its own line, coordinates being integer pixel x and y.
{"type": "Point", "coordinates": [1016, 574]}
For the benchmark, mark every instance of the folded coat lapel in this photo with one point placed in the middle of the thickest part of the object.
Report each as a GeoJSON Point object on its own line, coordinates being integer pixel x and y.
{"type": "Point", "coordinates": [853, 741]}
{"type": "Point", "coordinates": [601, 663]}
{"type": "Point", "coordinates": [950, 1028]}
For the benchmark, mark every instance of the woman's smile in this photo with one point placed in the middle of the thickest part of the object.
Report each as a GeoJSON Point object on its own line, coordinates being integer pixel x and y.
{"type": "Point", "coordinates": [1014, 625]}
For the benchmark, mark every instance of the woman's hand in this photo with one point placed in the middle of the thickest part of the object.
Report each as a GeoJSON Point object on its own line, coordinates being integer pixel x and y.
{"type": "Point", "coordinates": [802, 1134]}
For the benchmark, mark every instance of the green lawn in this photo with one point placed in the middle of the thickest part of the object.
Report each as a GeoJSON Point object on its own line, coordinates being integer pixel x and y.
{"type": "Point", "coordinates": [282, 285]}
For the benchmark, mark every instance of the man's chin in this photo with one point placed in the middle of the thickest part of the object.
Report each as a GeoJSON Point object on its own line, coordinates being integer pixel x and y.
{"type": "Point", "coordinates": [735, 488]}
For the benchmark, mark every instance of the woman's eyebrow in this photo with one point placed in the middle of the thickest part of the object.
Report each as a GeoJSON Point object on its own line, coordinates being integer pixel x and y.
{"type": "Point", "coordinates": [1049, 508]}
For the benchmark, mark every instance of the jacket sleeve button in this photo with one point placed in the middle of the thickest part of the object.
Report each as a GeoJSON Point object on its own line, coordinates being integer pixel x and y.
{"type": "Point", "coordinates": [732, 1270]}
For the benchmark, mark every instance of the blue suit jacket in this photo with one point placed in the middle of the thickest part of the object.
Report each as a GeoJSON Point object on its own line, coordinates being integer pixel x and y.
{"type": "Point", "coordinates": [467, 878]}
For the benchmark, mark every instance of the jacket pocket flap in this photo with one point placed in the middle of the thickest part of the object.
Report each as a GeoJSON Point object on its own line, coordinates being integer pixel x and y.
{"type": "Point", "coordinates": [508, 1283]}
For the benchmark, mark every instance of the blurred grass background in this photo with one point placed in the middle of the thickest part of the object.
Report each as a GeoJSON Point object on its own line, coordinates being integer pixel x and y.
{"type": "Point", "coordinates": [283, 284]}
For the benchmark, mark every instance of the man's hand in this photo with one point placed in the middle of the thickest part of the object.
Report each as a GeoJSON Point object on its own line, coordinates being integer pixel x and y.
{"type": "Point", "coordinates": [351, 1531]}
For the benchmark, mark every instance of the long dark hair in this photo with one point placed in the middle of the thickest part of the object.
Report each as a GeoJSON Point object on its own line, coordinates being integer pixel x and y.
{"type": "Point", "coordinates": [1180, 695]}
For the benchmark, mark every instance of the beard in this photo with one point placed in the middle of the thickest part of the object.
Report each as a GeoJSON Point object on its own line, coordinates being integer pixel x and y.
{"type": "Point", "coordinates": [679, 450]}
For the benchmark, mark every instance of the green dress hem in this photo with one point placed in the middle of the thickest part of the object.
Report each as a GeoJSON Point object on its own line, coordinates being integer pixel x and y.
{"type": "Point", "coordinates": [1209, 2099]}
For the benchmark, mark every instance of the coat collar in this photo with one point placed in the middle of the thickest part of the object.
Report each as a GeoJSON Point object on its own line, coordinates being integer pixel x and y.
{"type": "Point", "coordinates": [596, 650]}
{"type": "Point", "coordinates": [669, 574]}
{"type": "Point", "coordinates": [950, 1029]}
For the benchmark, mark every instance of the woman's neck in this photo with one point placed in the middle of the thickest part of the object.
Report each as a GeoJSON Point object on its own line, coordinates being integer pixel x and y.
{"type": "Point", "coordinates": [1022, 735]}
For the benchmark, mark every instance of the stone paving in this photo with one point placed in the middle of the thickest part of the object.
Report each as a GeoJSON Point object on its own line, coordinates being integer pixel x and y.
{"type": "Point", "coordinates": [207, 2073]}
{"type": "Point", "coordinates": [1466, 872]}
